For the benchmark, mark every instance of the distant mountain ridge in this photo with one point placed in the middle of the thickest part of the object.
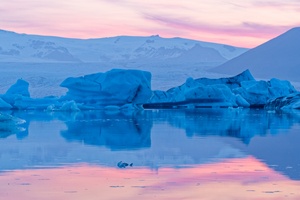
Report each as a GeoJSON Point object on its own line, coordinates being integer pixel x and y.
{"type": "Point", "coordinates": [124, 50]}
{"type": "Point", "coordinates": [278, 57]}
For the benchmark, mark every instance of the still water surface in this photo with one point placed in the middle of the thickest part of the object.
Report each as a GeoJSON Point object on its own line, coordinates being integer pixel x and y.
{"type": "Point", "coordinates": [175, 154]}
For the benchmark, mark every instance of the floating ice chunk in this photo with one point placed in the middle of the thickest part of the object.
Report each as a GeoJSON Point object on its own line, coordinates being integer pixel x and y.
{"type": "Point", "coordinates": [220, 93]}
{"type": "Point", "coordinates": [116, 87]}
{"type": "Point", "coordinates": [27, 103]}
{"type": "Point", "coordinates": [51, 108]}
{"type": "Point", "coordinates": [231, 82]}
{"type": "Point", "coordinates": [131, 107]}
{"type": "Point", "coordinates": [4, 105]}
{"type": "Point", "coordinates": [258, 93]}
{"type": "Point", "coordinates": [203, 92]}
{"type": "Point", "coordinates": [279, 88]}
{"type": "Point", "coordinates": [291, 101]}
{"type": "Point", "coordinates": [241, 90]}
{"type": "Point", "coordinates": [112, 108]}
{"type": "Point", "coordinates": [251, 93]}
{"type": "Point", "coordinates": [69, 106]}
{"type": "Point", "coordinates": [19, 89]}
{"type": "Point", "coordinates": [256, 87]}
{"type": "Point", "coordinates": [241, 102]}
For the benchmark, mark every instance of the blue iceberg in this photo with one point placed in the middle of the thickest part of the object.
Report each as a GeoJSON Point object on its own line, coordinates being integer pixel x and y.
{"type": "Point", "coordinates": [113, 88]}
{"type": "Point", "coordinates": [238, 91]}
{"type": "Point", "coordinates": [120, 89]}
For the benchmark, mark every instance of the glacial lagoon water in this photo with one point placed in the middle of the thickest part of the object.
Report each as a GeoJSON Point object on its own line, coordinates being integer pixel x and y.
{"type": "Point", "coordinates": [175, 154]}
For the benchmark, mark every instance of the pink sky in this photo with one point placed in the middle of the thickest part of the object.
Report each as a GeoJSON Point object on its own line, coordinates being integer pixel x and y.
{"type": "Point", "coordinates": [246, 23]}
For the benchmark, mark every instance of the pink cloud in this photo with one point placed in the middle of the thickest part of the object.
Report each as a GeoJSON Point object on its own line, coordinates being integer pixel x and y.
{"type": "Point", "coordinates": [244, 29]}
{"type": "Point", "coordinates": [288, 4]}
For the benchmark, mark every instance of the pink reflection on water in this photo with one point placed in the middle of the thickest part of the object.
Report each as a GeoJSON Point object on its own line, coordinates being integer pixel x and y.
{"type": "Point", "coordinates": [245, 178]}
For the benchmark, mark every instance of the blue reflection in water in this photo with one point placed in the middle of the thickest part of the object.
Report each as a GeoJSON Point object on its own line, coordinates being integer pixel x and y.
{"type": "Point", "coordinates": [153, 138]}
{"type": "Point", "coordinates": [239, 123]}
{"type": "Point", "coordinates": [116, 131]}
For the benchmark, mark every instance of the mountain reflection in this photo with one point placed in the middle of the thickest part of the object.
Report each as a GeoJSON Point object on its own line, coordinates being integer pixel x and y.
{"type": "Point", "coordinates": [117, 131]}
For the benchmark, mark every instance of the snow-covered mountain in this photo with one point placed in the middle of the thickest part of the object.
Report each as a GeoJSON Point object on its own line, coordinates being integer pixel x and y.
{"type": "Point", "coordinates": [45, 61]}
{"type": "Point", "coordinates": [279, 57]}
{"type": "Point", "coordinates": [121, 50]}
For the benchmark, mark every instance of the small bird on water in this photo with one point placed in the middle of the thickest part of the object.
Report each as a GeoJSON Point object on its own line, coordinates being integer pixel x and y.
{"type": "Point", "coordinates": [124, 164]}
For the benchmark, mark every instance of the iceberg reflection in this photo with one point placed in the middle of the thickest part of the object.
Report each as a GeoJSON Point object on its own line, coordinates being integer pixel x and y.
{"type": "Point", "coordinates": [121, 131]}
{"type": "Point", "coordinates": [116, 131]}
{"type": "Point", "coordinates": [10, 125]}
{"type": "Point", "coordinates": [155, 138]}
{"type": "Point", "coordinates": [240, 123]}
